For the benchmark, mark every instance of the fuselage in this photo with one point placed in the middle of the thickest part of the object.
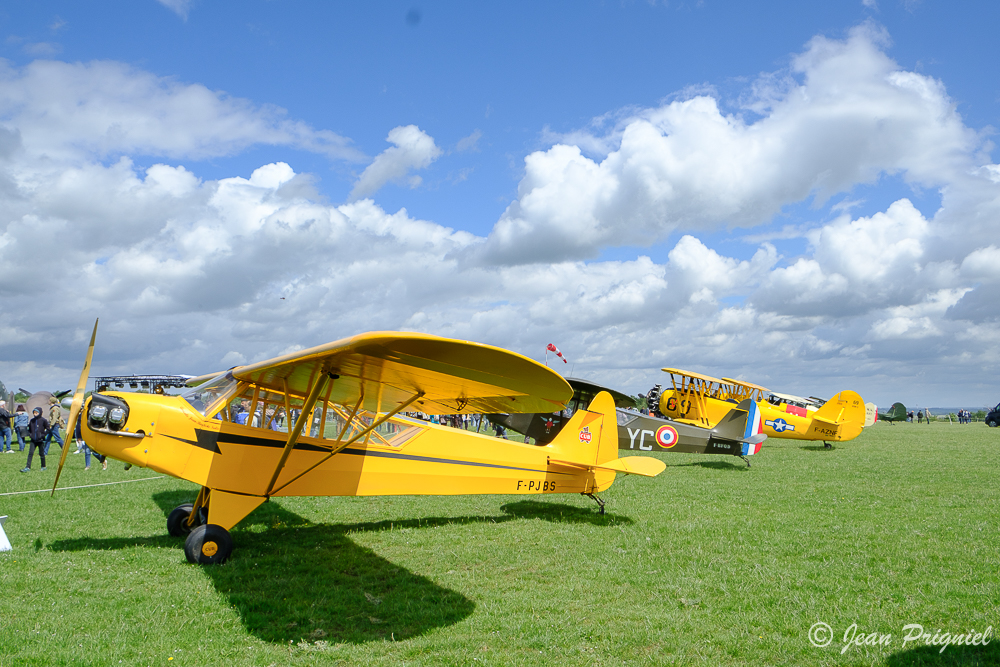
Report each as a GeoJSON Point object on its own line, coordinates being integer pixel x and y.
{"type": "Point", "coordinates": [781, 420]}
{"type": "Point", "coordinates": [405, 456]}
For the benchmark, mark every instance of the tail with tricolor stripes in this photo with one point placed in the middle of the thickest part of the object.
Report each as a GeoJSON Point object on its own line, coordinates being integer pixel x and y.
{"type": "Point", "coordinates": [744, 424]}
{"type": "Point", "coordinates": [590, 440]}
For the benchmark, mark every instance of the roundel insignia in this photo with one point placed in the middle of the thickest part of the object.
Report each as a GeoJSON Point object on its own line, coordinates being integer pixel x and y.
{"type": "Point", "coordinates": [666, 436]}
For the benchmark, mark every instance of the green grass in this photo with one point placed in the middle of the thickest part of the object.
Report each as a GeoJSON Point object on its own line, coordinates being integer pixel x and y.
{"type": "Point", "coordinates": [709, 563]}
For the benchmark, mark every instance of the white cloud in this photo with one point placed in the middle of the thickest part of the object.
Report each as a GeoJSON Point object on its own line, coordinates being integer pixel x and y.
{"type": "Point", "coordinates": [98, 109]}
{"type": "Point", "coordinates": [469, 143]}
{"type": "Point", "coordinates": [844, 114]}
{"type": "Point", "coordinates": [42, 49]}
{"type": "Point", "coordinates": [179, 7]}
{"type": "Point", "coordinates": [413, 149]}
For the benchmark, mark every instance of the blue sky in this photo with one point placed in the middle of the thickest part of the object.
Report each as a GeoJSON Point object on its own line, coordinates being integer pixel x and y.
{"type": "Point", "coordinates": [512, 167]}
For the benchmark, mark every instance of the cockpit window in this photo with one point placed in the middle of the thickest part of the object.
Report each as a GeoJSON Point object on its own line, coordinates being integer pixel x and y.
{"type": "Point", "coordinates": [206, 395]}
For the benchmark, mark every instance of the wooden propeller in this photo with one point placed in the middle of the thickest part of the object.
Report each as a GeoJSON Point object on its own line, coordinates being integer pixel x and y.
{"type": "Point", "coordinates": [75, 408]}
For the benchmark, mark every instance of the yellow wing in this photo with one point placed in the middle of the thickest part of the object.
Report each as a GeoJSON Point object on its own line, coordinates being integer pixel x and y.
{"type": "Point", "coordinates": [690, 374]}
{"type": "Point", "coordinates": [387, 368]}
{"type": "Point", "coordinates": [744, 383]}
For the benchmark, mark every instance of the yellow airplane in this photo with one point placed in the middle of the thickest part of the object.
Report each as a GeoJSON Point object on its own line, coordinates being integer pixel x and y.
{"type": "Point", "coordinates": [328, 421]}
{"type": "Point", "coordinates": [704, 400]}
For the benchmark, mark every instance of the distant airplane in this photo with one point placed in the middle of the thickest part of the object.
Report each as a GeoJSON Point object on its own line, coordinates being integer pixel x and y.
{"type": "Point", "coordinates": [703, 400]}
{"type": "Point", "coordinates": [737, 433]}
{"type": "Point", "coordinates": [40, 399]}
{"type": "Point", "coordinates": [897, 413]}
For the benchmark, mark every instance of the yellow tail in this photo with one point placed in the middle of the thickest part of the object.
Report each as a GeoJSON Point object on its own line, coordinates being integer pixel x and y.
{"type": "Point", "coordinates": [590, 440]}
{"type": "Point", "coordinates": [841, 418]}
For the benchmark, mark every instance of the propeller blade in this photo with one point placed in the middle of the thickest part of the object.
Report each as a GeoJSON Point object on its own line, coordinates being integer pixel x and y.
{"type": "Point", "coordinates": [74, 410]}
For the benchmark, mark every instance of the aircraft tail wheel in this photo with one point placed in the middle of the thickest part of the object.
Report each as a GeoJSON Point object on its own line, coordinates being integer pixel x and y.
{"type": "Point", "coordinates": [177, 521]}
{"type": "Point", "coordinates": [208, 544]}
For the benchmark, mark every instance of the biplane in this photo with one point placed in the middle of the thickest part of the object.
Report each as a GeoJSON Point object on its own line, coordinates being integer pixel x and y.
{"type": "Point", "coordinates": [703, 400]}
{"type": "Point", "coordinates": [329, 421]}
{"type": "Point", "coordinates": [737, 433]}
{"type": "Point", "coordinates": [896, 413]}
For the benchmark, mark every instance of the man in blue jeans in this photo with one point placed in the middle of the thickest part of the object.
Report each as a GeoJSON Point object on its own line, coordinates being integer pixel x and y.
{"type": "Point", "coordinates": [55, 421]}
{"type": "Point", "coordinates": [5, 429]}
{"type": "Point", "coordinates": [21, 420]}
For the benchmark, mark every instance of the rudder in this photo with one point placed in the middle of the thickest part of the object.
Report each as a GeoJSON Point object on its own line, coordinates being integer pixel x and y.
{"type": "Point", "coordinates": [847, 411]}
{"type": "Point", "coordinates": [591, 435]}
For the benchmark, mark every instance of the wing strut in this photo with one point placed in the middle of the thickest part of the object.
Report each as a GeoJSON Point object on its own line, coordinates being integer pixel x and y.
{"type": "Point", "coordinates": [374, 425]}
{"type": "Point", "coordinates": [293, 435]}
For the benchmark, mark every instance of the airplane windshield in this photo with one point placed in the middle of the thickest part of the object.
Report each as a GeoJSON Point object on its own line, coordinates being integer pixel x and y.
{"type": "Point", "coordinates": [204, 396]}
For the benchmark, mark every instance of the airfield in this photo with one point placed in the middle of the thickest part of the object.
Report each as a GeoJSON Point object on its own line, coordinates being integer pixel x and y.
{"type": "Point", "coordinates": [709, 563]}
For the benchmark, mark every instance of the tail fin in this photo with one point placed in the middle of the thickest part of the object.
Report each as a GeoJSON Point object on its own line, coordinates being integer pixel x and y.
{"type": "Point", "coordinates": [591, 435]}
{"type": "Point", "coordinates": [742, 424]}
{"type": "Point", "coordinates": [590, 440]}
{"type": "Point", "coordinates": [841, 418]}
{"type": "Point", "coordinates": [871, 414]}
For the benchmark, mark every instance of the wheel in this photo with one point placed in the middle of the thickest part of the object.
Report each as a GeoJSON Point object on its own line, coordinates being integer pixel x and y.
{"type": "Point", "coordinates": [992, 423]}
{"type": "Point", "coordinates": [208, 544]}
{"type": "Point", "coordinates": [177, 524]}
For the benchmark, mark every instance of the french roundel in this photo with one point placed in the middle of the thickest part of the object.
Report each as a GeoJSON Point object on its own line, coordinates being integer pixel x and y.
{"type": "Point", "coordinates": [666, 436]}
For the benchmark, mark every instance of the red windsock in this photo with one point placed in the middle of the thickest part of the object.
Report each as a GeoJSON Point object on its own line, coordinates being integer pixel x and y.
{"type": "Point", "coordinates": [552, 348]}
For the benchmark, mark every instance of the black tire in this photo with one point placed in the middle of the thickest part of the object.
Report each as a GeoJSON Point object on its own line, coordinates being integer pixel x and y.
{"type": "Point", "coordinates": [992, 423]}
{"type": "Point", "coordinates": [177, 524]}
{"type": "Point", "coordinates": [208, 544]}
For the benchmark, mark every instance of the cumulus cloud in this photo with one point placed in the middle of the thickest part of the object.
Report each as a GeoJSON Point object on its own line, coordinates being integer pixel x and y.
{"type": "Point", "coordinates": [412, 149]}
{"type": "Point", "coordinates": [843, 114]}
{"type": "Point", "coordinates": [98, 109]}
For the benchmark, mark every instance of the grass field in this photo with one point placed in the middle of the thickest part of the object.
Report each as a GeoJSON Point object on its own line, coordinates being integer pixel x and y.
{"type": "Point", "coordinates": [709, 563]}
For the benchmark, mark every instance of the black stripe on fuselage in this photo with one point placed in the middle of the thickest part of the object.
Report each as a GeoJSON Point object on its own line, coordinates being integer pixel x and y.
{"type": "Point", "coordinates": [209, 440]}
{"type": "Point", "coordinates": [431, 459]}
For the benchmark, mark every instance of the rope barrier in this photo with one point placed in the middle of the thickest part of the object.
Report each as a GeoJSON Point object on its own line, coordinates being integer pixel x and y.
{"type": "Point", "coordinates": [85, 486]}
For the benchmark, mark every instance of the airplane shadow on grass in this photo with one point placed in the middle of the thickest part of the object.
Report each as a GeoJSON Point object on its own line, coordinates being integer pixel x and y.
{"type": "Point", "coordinates": [292, 580]}
{"type": "Point", "coordinates": [964, 656]}
{"type": "Point", "coordinates": [715, 465]}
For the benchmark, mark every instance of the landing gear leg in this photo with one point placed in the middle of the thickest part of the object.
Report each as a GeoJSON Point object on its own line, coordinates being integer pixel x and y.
{"type": "Point", "coordinates": [600, 503]}
{"type": "Point", "coordinates": [827, 445]}
{"type": "Point", "coordinates": [746, 460]}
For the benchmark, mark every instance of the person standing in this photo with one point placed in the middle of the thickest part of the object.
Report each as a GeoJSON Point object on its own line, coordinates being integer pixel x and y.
{"type": "Point", "coordinates": [55, 421]}
{"type": "Point", "coordinates": [38, 430]}
{"type": "Point", "coordinates": [5, 429]}
{"type": "Point", "coordinates": [21, 427]}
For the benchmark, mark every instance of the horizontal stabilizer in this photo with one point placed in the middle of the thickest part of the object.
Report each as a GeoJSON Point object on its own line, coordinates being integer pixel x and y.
{"type": "Point", "coordinates": [824, 420]}
{"type": "Point", "coordinates": [631, 465]}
